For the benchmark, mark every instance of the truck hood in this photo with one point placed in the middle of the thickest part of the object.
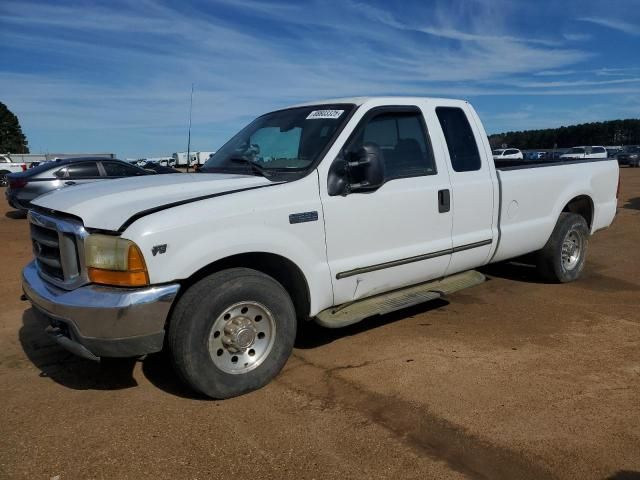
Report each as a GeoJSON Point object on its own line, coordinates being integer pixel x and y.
{"type": "Point", "coordinates": [108, 204]}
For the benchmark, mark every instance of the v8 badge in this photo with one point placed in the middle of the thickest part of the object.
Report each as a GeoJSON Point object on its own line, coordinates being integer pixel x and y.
{"type": "Point", "coordinates": [156, 249]}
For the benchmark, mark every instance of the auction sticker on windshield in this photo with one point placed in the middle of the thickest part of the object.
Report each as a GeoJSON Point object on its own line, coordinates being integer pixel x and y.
{"type": "Point", "coordinates": [324, 114]}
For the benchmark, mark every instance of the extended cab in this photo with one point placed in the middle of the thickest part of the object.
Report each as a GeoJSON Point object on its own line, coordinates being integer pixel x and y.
{"type": "Point", "coordinates": [7, 167]}
{"type": "Point", "coordinates": [332, 211]}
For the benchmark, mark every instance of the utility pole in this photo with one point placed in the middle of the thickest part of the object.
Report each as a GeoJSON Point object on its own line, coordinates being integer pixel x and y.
{"type": "Point", "coordinates": [189, 134]}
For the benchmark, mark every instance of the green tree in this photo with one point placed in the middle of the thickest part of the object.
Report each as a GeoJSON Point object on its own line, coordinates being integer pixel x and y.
{"type": "Point", "coordinates": [614, 132]}
{"type": "Point", "coordinates": [12, 140]}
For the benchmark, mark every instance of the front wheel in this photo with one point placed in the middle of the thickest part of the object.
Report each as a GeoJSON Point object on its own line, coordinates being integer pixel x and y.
{"type": "Point", "coordinates": [232, 332]}
{"type": "Point", "coordinates": [562, 258]}
{"type": "Point", "coordinates": [4, 180]}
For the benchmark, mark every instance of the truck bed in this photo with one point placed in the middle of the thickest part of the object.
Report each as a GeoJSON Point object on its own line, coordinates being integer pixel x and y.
{"type": "Point", "coordinates": [532, 197]}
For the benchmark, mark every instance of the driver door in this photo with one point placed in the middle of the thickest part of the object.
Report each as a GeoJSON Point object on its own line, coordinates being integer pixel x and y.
{"type": "Point", "coordinates": [399, 234]}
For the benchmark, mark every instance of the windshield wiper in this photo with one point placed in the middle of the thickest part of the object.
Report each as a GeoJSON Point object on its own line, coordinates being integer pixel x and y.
{"type": "Point", "coordinates": [252, 165]}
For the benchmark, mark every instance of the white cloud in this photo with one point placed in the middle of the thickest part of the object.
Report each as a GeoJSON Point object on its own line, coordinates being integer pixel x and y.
{"type": "Point", "coordinates": [577, 37]}
{"type": "Point", "coordinates": [614, 24]}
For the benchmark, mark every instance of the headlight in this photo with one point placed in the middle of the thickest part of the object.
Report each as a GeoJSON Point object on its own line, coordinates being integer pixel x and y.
{"type": "Point", "coordinates": [113, 260]}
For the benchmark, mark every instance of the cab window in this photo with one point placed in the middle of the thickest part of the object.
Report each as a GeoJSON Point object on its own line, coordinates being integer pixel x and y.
{"type": "Point", "coordinates": [463, 149]}
{"type": "Point", "coordinates": [402, 138]}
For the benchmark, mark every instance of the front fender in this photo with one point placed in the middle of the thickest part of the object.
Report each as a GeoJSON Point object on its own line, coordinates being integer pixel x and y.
{"type": "Point", "coordinates": [189, 237]}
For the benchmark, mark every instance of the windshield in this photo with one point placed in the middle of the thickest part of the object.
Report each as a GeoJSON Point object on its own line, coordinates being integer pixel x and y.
{"type": "Point", "coordinates": [283, 141]}
{"type": "Point", "coordinates": [577, 150]}
{"type": "Point", "coordinates": [633, 150]}
{"type": "Point", "coordinates": [498, 152]}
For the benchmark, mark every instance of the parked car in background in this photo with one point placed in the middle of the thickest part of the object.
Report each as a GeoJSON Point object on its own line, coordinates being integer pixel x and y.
{"type": "Point", "coordinates": [507, 154]}
{"type": "Point", "coordinates": [167, 162]}
{"type": "Point", "coordinates": [612, 152]}
{"type": "Point", "coordinates": [158, 168]}
{"type": "Point", "coordinates": [630, 156]}
{"type": "Point", "coordinates": [7, 167]}
{"type": "Point", "coordinates": [533, 156]}
{"type": "Point", "coordinates": [585, 153]}
{"type": "Point", "coordinates": [25, 186]}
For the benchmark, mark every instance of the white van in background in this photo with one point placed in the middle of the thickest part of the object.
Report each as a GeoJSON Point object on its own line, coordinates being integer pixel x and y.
{"type": "Point", "coordinates": [584, 152]}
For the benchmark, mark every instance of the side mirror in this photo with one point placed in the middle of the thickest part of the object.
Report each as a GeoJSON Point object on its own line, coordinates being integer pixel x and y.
{"type": "Point", "coordinates": [366, 166]}
{"type": "Point", "coordinates": [357, 171]}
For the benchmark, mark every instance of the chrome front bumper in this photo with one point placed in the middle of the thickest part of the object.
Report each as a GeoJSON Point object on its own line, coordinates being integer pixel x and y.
{"type": "Point", "coordinates": [96, 321]}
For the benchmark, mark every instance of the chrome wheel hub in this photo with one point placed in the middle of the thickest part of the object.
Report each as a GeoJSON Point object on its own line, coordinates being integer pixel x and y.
{"type": "Point", "coordinates": [239, 334]}
{"type": "Point", "coordinates": [242, 337]}
{"type": "Point", "coordinates": [571, 250]}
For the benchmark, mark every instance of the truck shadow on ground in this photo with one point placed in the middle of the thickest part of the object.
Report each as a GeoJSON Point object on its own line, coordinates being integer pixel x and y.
{"type": "Point", "coordinates": [625, 475]}
{"type": "Point", "coordinates": [158, 370]}
{"type": "Point", "coordinates": [16, 214]}
{"type": "Point", "coordinates": [76, 373]}
{"type": "Point", "coordinates": [632, 204]}
{"type": "Point", "coordinates": [311, 335]}
{"type": "Point", "coordinates": [64, 368]}
{"type": "Point", "coordinates": [519, 270]}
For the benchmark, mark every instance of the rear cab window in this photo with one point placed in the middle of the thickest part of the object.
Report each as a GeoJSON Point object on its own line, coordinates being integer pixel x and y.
{"type": "Point", "coordinates": [461, 142]}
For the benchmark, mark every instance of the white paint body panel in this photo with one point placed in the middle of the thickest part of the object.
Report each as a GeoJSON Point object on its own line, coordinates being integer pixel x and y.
{"type": "Point", "coordinates": [107, 205]}
{"type": "Point", "coordinates": [517, 212]}
{"type": "Point", "coordinates": [533, 198]}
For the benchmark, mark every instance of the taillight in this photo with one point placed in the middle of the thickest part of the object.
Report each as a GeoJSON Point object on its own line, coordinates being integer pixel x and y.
{"type": "Point", "coordinates": [24, 167]}
{"type": "Point", "coordinates": [14, 184]}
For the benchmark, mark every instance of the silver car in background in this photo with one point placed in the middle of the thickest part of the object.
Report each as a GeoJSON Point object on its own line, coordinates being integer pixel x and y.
{"type": "Point", "coordinates": [25, 186]}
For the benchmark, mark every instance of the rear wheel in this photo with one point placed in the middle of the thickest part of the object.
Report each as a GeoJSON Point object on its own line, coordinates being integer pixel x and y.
{"type": "Point", "coordinates": [562, 258]}
{"type": "Point", "coordinates": [232, 332]}
{"type": "Point", "coordinates": [4, 181]}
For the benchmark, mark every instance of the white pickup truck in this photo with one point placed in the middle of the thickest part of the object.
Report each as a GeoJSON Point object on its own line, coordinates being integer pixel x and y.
{"type": "Point", "coordinates": [7, 167]}
{"type": "Point", "coordinates": [333, 211]}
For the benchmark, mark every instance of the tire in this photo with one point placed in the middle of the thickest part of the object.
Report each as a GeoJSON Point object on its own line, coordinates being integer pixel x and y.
{"type": "Point", "coordinates": [237, 314]}
{"type": "Point", "coordinates": [4, 181]}
{"type": "Point", "coordinates": [562, 258]}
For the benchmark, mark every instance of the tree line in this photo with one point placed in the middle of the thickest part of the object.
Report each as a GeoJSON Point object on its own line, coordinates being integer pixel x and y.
{"type": "Point", "coordinates": [12, 140]}
{"type": "Point", "coordinates": [613, 132]}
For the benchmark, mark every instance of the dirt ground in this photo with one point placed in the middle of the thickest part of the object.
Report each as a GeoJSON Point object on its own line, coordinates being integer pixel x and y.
{"type": "Point", "coordinates": [513, 379]}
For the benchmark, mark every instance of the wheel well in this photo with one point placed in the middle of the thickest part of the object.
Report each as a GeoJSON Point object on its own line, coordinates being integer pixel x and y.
{"type": "Point", "coordinates": [583, 206]}
{"type": "Point", "coordinates": [283, 270]}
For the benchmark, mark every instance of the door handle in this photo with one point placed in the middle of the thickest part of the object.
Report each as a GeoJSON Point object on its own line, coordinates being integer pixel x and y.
{"type": "Point", "coordinates": [70, 182]}
{"type": "Point", "coordinates": [444, 200]}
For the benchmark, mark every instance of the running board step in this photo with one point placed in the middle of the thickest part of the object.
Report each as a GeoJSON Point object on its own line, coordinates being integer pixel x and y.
{"type": "Point", "coordinates": [353, 312]}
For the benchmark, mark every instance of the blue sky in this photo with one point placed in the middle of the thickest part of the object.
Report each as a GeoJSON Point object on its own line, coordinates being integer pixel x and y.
{"type": "Point", "coordinates": [115, 76]}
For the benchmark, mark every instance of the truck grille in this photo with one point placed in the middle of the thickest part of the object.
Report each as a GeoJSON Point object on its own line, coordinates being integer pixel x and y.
{"type": "Point", "coordinates": [46, 250]}
{"type": "Point", "coordinates": [58, 249]}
